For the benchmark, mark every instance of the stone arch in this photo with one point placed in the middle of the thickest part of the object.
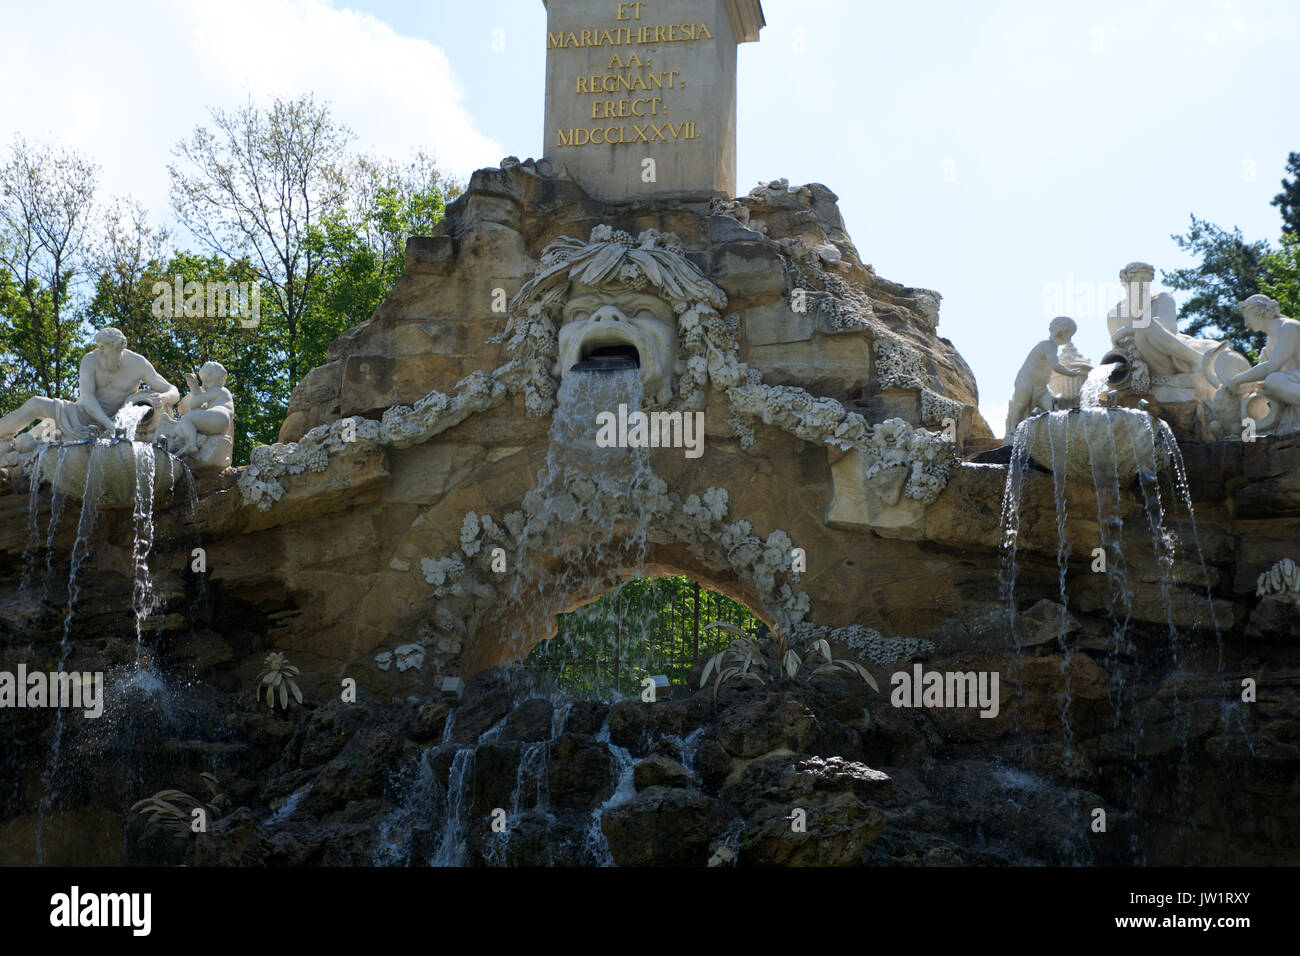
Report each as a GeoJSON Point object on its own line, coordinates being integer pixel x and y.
{"type": "Point", "coordinates": [474, 617]}
{"type": "Point", "coordinates": [493, 644]}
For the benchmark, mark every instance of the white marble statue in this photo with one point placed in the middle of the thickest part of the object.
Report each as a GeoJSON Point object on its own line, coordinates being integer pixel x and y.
{"type": "Point", "coordinates": [1066, 388]}
{"type": "Point", "coordinates": [204, 435]}
{"type": "Point", "coordinates": [1032, 381]}
{"type": "Point", "coordinates": [110, 375]}
{"type": "Point", "coordinates": [1277, 376]}
{"type": "Point", "coordinates": [1176, 367]}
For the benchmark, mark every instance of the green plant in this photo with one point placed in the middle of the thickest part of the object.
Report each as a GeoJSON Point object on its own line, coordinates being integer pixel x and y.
{"type": "Point", "coordinates": [771, 659]}
{"type": "Point", "coordinates": [173, 810]}
{"type": "Point", "coordinates": [279, 676]}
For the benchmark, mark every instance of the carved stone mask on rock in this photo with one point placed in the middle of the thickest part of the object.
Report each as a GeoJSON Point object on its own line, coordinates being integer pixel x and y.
{"type": "Point", "coordinates": [621, 323]}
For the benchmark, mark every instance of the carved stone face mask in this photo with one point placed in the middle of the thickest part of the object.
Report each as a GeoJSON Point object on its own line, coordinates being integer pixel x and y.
{"type": "Point", "coordinates": [600, 323]}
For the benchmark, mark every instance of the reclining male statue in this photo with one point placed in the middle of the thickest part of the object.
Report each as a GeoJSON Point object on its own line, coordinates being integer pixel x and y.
{"type": "Point", "coordinates": [110, 375]}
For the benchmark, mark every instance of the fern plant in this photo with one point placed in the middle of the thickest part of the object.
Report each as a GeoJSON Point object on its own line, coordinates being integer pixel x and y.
{"type": "Point", "coordinates": [173, 810]}
{"type": "Point", "coordinates": [279, 677]}
{"type": "Point", "coordinates": [773, 660]}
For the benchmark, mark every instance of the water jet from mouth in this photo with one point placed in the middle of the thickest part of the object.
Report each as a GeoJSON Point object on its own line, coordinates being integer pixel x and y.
{"type": "Point", "coordinates": [609, 358]}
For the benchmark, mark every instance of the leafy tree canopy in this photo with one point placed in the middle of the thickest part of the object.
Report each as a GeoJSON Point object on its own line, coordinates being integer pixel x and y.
{"type": "Point", "coordinates": [1230, 270]}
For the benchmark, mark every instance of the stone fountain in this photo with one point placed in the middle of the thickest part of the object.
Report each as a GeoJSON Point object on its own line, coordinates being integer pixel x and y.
{"type": "Point", "coordinates": [434, 500]}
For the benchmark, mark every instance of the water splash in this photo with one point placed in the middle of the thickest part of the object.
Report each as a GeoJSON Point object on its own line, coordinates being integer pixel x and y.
{"type": "Point", "coordinates": [1058, 425]}
{"type": "Point", "coordinates": [1096, 385]}
{"type": "Point", "coordinates": [125, 427]}
{"type": "Point", "coordinates": [142, 593]}
{"type": "Point", "coordinates": [1011, 498]}
{"type": "Point", "coordinates": [418, 786]}
{"type": "Point", "coordinates": [289, 807]}
{"type": "Point", "coordinates": [531, 792]}
{"type": "Point", "coordinates": [588, 526]}
{"type": "Point", "coordinates": [595, 846]}
{"type": "Point", "coordinates": [33, 525]}
{"type": "Point", "coordinates": [57, 502]}
{"type": "Point", "coordinates": [456, 799]}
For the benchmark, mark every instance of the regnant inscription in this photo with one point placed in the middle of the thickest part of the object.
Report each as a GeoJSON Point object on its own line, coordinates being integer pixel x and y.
{"type": "Point", "coordinates": [631, 88]}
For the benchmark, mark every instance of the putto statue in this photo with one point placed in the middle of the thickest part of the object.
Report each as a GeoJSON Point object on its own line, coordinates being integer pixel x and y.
{"type": "Point", "coordinates": [1204, 389]}
{"type": "Point", "coordinates": [113, 378]}
{"type": "Point", "coordinates": [1032, 381]}
{"type": "Point", "coordinates": [1276, 379]}
{"type": "Point", "coordinates": [204, 435]}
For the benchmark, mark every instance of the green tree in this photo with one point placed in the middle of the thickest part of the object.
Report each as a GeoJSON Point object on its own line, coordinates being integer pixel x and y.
{"type": "Point", "coordinates": [361, 248]}
{"type": "Point", "coordinates": [645, 626]}
{"type": "Point", "coordinates": [47, 203]}
{"type": "Point", "coordinates": [1288, 200]}
{"type": "Point", "coordinates": [1284, 274]}
{"type": "Point", "coordinates": [254, 188]}
{"type": "Point", "coordinates": [126, 261]}
{"type": "Point", "coordinates": [125, 297]}
{"type": "Point", "coordinates": [1230, 269]}
{"type": "Point", "coordinates": [324, 233]}
{"type": "Point", "coordinates": [14, 386]}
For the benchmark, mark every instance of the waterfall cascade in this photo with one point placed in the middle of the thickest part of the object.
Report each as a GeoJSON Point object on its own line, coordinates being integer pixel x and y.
{"type": "Point", "coordinates": [1122, 456]}
{"type": "Point", "coordinates": [586, 529]}
{"type": "Point", "coordinates": [101, 472]}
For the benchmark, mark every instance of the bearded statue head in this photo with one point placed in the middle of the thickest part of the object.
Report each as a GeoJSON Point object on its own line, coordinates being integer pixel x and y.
{"type": "Point", "coordinates": [612, 299]}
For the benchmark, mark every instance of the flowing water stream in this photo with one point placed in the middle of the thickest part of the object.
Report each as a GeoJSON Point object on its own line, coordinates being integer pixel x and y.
{"type": "Point", "coordinates": [1123, 454]}
{"type": "Point", "coordinates": [586, 528]}
{"type": "Point", "coordinates": [143, 596]}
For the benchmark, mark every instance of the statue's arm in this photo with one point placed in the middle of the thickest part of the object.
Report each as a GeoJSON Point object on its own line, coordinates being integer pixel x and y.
{"type": "Point", "coordinates": [87, 399]}
{"type": "Point", "coordinates": [1286, 353]}
{"type": "Point", "coordinates": [199, 399]}
{"type": "Point", "coordinates": [1253, 374]}
{"type": "Point", "coordinates": [168, 393]}
{"type": "Point", "coordinates": [1267, 366]}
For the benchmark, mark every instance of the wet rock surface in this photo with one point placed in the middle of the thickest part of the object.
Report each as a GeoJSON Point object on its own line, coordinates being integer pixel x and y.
{"type": "Point", "coordinates": [754, 777]}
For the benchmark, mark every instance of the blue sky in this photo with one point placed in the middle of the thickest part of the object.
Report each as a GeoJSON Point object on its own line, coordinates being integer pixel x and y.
{"type": "Point", "coordinates": [1000, 153]}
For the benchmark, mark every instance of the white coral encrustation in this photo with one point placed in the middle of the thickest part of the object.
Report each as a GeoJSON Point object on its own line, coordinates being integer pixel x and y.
{"type": "Point", "coordinates": [1282, 578]}
{"type": "Point", "coordinates": [699, 521]}
{"type": "Point", "coordinates": [868, 643]}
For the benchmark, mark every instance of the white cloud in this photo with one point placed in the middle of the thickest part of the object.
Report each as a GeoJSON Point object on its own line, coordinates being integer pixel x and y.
{"type": "Point", "coordinates": [124, 83]}
{"type": "Point", "coordinates": [396, 92]}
